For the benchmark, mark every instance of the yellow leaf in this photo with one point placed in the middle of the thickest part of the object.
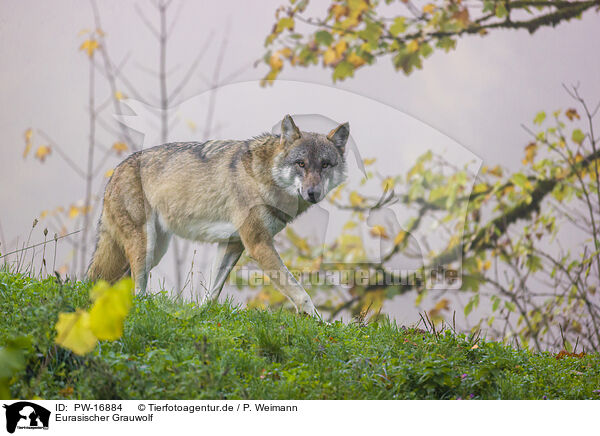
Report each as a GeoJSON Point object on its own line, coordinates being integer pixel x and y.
{"type": "Point", "coordinates": [73, 332]}
{"type": "Point", "coordinates": [44, 214]}
{"type": "Point", "coordinates": [27, 149]}
{"type": "Point", "coordinates": [119, 95]}
{"type": "Point", "coordinates": [429, 8]}
{"type": "Point", "coordinates": [108, 174]}
{"type": "Point", "coordinates": [379, 231]}
{"type": "Point", "coordinates": [399, 237]}
{"type": "Point", "coordinates": [42, 152]}
{"type": "Point", "coordinates": [89, 45]}
{"type": "Point", "coordinates": [388, 184]}
{"type": "Point", "coordinates": [28, 135]}
{"type": "Point", "coordinates": [83, 32]}
{"type": "Point", "coordinates": [349, 225]}
{"type": "Point", "coordinates": [412, 46]}
{"type": "Point", "coordinates": [443, 304]}
{"type": "Point", "coordinates": [340, 47]}
{"type": "Point", "coordinates": [329, 57]}
{"type": "Point", "coordinates": [191, 125]}
{"type": "Point", "coordinates": [119, 147]}
{"type": "Point", "coordinates": [496, 171]}
{"type": "Point", "coordinates": [297, 240]}
{"type": "Point", "coordinates": [275, 61]}
{"type": "Point", "coordinates": [73, 211]}
{"type": "Point", "coordinates": [286, 52]}
{"type": "Point", "coordinates": [355, 59]}
{"type": "Point", "coordinates": [111, 306]}
{"type": "Point", "coordinates": [339, 11]}
{"type": "Point", "coordinates": [356, 199]}
{"type": "Point", "coordinates": [369, 161]}
{"type": "Point", "coordinates": [337, 193]}
{"type": "Point", "coordinates": [530, 153]}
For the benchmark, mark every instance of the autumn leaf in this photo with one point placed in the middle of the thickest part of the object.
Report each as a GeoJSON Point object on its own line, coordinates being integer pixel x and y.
{"type": "Point", "coordinates": [329, 57]}
{"type": "Point", "coordinates": [428, 8]}
{"type": "Point", "coordinates": [89, 45]}
{"type": "Point", "coordinates": [108, 174]}
{"type": "Point", "coordinates": [355, 199]}
{"type": "Point", "coordinates": [42, 152]}
{"type": "Point", "coordinates": [119, 95]}
{"type": "Point", "coordinates": [340, 47]}
{"type": "Point", "coordinates": [563, 353]}
{"type": "Point", "coordinates": [379, 231]}
{"type": "Point", "coordinates": [337, 194]}
{"type": "Point", "coordinates": [442, 304]}
{"type": "Point", "coordinates": [339, 11]}
{"type": "Point", "coordinates": [111, 306]}
{"type": "Point", "coordinates": [120, 147]}
{"type": "Point", "coordinates": [73, 332]}
{"type": "Point", "coordinates": [368, 162]}
{"type": "Point", "coordinates": [399, 237]}
{"type": "Point", "coordinates": [462, 17]}
{"type": "Point", "coordinates": [28, 135]}
{"type": "Point", "coordinates": [355, 60]}
{"type": "Point", "coordinates": [412, 46]}
{"type": "Point", "coordinates": [192, 125]}
{"type": "Point", "coordinates": [572, 114]}
{"type": "Point", "coordinates": [530, 152]}
{"type": "Point", "coordinates": [388, 184]}
{"type": "Point", "coordinates": [275, 61]}
{"type": "Point", "coordinates": [74, 211]}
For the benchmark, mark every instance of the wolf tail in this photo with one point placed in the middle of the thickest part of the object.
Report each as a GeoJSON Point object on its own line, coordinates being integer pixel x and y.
{"type": "Point", "coordinates": [108, 261]}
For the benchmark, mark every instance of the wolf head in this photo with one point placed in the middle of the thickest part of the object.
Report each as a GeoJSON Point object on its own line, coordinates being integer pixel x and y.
{"type": "Point", "coordinates": [310, 164]}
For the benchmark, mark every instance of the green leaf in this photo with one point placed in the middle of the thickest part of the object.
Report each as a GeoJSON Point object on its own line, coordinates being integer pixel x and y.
{"type": "Point", "coordinates": [323, 37]}
{"type": "Point", "coordinates": [496, 303]}
{"type": "Point", "coordinates": [578, 136]}
{"type": "Point", "coordinates": [501, 10]}
{"type": "Point", "coordinates": [399, 26]}
{"type": "Point", "coordinates": [425, 50]}
{"type": "Point", "coordinates": [540, 117]}
{"type": "Point", "coordinates": [285, 23]}
{"type": "Point", "coordinates": [342, 70]}
{"type": "Point", "coordinates": [520, 180]}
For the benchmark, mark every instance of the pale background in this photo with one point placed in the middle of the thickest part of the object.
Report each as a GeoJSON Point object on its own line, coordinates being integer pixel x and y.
{"type": "Point", "coordinates": [477, 95]}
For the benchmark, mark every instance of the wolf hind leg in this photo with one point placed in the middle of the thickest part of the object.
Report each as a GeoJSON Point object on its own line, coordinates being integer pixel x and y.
{"type": "Point", "coordinates": [228, 254]}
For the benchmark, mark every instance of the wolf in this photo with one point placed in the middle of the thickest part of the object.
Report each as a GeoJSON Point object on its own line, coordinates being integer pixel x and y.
{"type": "Point", "coordinates": [236, 193]}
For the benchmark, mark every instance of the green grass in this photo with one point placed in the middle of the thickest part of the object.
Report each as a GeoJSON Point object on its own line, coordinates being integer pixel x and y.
{"type": "Point", "coordinates": [172, 350]}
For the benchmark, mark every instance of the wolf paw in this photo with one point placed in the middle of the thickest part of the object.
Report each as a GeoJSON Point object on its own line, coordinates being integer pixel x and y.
{"type": "Point", "coordinates": [308, 308]}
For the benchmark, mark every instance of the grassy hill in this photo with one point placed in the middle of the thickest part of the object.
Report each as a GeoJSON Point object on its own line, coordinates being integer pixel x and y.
{"type": "Point", "coordinates": [173, 350]}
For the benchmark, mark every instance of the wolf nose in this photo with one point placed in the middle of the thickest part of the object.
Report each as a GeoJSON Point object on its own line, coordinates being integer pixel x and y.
{"type": "Point", "coordinates": [313, 195]}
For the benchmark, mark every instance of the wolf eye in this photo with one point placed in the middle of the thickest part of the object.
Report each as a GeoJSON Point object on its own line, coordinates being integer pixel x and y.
{"type": "Point", "coordinates": [325, 164]}
{"type": "Point", "coordinates": [300, 163]}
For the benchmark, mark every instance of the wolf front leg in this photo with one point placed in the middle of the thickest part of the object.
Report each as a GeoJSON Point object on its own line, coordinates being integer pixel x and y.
{"type": "Point", "coordinates": [259, 244]}
{"type": "Point", "coordinates": [228, 254]}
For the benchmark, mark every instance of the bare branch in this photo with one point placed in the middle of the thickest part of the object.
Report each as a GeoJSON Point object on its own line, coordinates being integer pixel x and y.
{"type": "Point", "coordinates": [148, 24]}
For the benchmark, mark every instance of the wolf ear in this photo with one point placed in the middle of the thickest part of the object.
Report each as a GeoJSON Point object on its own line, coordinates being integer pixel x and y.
{"type": "Point", "coordinates": [289, 131]}
{"type": "Point", "coordinates": [339, 136]}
